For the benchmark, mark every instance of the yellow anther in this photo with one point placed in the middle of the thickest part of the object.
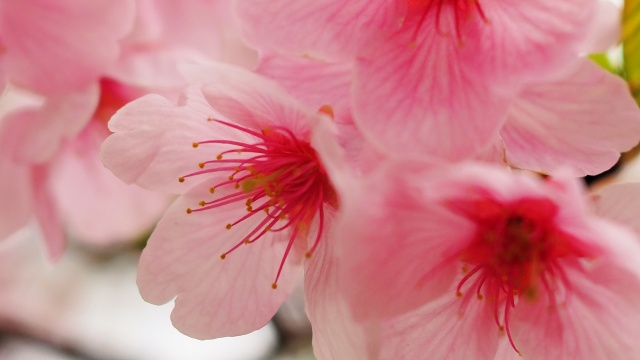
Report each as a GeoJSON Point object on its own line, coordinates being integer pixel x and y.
{"type": "Point", "coordinates": [195, 145]}
{"type": "Point", "coordinates": [327, 110]}
{"type": "Point", "coordinates": [181, 179]}
{"type": "Point", "coordinates": [229, 226]}
{"type": "Point", "coordinates": [223, 256]}
{"type": "Point", "coordinates": [189, 211]}
{"type": "Point", "coordinates": [274, 286]}
{"type": "Point", "coordinates": [212, 190]}
{"type": "Point", "coordinates": [202, 203]}
{"type": "Point", "coordinates": [201, 165]}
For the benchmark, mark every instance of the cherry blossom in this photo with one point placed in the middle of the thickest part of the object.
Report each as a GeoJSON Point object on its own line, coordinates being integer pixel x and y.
{"type": "Point", "coordinates": [473, 254]}
{"type": "Point", "coordinates": [256, 198]}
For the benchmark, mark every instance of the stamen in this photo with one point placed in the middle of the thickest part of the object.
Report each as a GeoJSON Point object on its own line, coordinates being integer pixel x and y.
{"type": "Point", "coordinates": [280, 181]}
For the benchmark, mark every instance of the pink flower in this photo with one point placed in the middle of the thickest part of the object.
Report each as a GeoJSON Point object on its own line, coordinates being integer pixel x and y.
{"type": "Point", "coordinates": [255, 196]}
{"type": "Point", "coordinates": [430, 76]}
{"type": "Point", "coordinates": [465, 256]}
{"type": "Point", "coordinates": [63, 46]}
{"type": "Point", "coordinates": [51, 152]}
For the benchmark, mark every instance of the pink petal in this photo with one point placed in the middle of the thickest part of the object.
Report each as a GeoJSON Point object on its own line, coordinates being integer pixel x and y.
{"type": "Point", "coordinates": [119, 212]}
{"type": "Point", "coordinates": [605, 30]}
{"type": "Point", "coordinates": [527, 40]}
{"type": "Point", "coordinates": [394, 223]}
{"type": "Point", "coordinates": [16, 199]}
{"type": "Point", "coordinates": [443, 330]}
{"type": "Point", "coordinates": [325, 29]}
{"type": "Point", "coordinates": [619, 203]}
{"type": "Point", "coordinates": [47, 213]}
{"type": "Point", "coordinates": [583, 120]}
{"type": "Point", "coordinates": [60, 118]}
{"type": "Point", "coordinates": [214, 297]}
{"type": "Point", "coordinates": [250, 99]}
{"type": "Point", "coordinates": [62, 46]}
{"type": "Point", "coordinates": [598, 321]}
{"type": "Point", "coordinates": [313, 82]}
{"type": "Point", "coordinates": [162, 134]}
{"type": "Point", "coordinates": [335, 334]}
{"type": "Point", "coordinates": [424, 103]}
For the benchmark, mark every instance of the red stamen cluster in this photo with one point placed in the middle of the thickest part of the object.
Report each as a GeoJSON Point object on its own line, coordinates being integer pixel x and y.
{"type": "Point", "coordinates": [282, 181]}
{"type": "Point", "coordinates": [516, 254]}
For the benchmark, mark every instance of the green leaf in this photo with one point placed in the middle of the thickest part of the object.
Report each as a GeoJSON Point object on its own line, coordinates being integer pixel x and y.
{"type": "Point", "coordinates": [603, 60]}
{"type": "Point", "coordinates": [631, 45]}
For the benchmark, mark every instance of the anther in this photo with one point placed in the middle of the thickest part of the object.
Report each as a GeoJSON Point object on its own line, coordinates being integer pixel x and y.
{"type": "Point", "coordinates": [202, 203]}
{"type": "Point", "coordinates": [274, 286]}
{"type": "Point", "coordinates": [189, 211]}
{"type": "Point", "coordinates": [458, 294]}
{"type": "Point", "coordinates": [223, 256]}
{"type": "Point", "coordinates": [480, 297]}
{"type": "Point", "coordinates": [212, 190]}
{"type": "Point", "coordinates": [195, 145]}
{"type": "Point", "coordinates": [219, 157]}
{"type": "Point", "coordinates": [327, 110]}
{"type": "Point", "coordinates": [229, 226]}
{"type": "Point", "coordinates": [308, 255]}
{"type": "Point", "coordinates": [247, 241]}
{"type": "Point", "coordinates": [181, 179]}
{"type": "Point", "coordinates": [201, 165]}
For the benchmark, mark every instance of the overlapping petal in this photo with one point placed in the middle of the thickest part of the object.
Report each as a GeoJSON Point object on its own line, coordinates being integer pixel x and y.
{"type": "Point", "coordinates": [215, 297]}
{"type": "Point", "coordinates": [582, 120]}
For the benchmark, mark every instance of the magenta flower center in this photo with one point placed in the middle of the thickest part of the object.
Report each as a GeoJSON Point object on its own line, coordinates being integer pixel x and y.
{"type": "Point", "coordinates": [278, 179]}
{"type": "Point", "coordinates": [449, 15]}
{"type": "Point", "coordinates": [518, 253]}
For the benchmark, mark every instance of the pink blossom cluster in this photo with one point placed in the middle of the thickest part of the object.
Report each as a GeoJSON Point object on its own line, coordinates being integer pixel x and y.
{"type": "Point", "coordinates": [66, 67]}
{"type": "Point", "coordinates": [417, 163]}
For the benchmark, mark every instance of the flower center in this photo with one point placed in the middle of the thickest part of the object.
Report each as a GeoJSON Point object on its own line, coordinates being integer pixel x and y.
{"type": "Point", "coordinates": [278, 179]}
{"type": "Point", "coordinates": [517, 253]}
{"type": "Point", "coordinates": [447, 16]}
